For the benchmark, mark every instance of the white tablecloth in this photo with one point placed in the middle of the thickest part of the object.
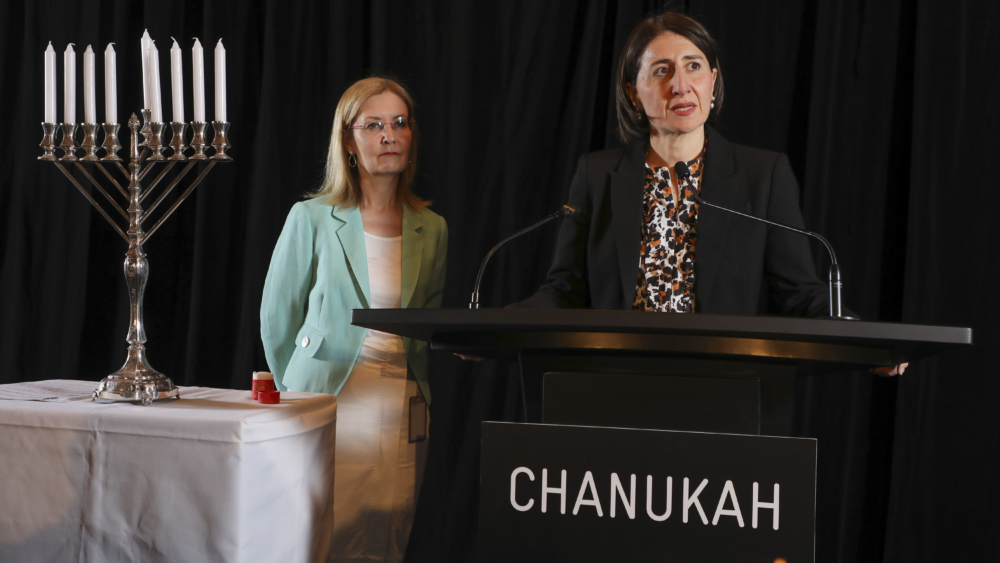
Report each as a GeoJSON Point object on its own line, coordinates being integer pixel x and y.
{"type": "Point", "coordinates": [213, 476]}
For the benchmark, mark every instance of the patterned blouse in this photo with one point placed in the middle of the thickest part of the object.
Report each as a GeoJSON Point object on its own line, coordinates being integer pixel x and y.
{"type": "Point", "coordinates": [669, 234]}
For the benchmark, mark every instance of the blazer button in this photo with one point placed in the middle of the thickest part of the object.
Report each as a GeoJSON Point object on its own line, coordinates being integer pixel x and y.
{"type": "Point", "coordinates": [305, 341]}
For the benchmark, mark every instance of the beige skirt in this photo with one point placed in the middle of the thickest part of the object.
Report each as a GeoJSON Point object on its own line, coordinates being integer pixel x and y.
{"type": "Point", "coordinates": [378, 471]}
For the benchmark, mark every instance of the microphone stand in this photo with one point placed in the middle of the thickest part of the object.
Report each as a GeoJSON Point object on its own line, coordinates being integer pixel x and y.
{"type": "Point", "coordinates": [835, 284]}
{"type": "Point", "coordinates": [564, 211]}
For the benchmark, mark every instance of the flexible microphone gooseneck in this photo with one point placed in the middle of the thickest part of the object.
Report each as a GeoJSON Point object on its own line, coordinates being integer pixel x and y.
{"type": "Point", "coordinates": [564, 211]}
{"type": "Point", "coordinates": [835, 284]}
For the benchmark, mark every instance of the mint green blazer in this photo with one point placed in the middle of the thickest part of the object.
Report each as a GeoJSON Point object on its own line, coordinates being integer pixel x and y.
{"type": "Point", "coordinates": [319, 273]}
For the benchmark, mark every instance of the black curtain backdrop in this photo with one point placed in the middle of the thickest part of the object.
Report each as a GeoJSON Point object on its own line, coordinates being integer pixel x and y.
{"type": "Point", "coordinates": [887, 110]}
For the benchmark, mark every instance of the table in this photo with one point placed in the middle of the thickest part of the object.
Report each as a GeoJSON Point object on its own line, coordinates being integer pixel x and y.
{"type": "Point", "coordinates": [213, 476]}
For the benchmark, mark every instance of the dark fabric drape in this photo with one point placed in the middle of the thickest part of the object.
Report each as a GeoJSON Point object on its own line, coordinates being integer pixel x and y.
{"type": "Point", "coordinates": [886, 110]}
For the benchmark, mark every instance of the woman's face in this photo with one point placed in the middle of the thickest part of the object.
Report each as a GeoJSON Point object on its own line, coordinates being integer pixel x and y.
{"type": "Point", "coordinates": [674, 86]}
{"type": "Point", "coordinates": [386, 151]}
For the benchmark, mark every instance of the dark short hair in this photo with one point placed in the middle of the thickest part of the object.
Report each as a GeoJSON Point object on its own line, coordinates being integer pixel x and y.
{"type": "Point", "coordinates": [632, 123]}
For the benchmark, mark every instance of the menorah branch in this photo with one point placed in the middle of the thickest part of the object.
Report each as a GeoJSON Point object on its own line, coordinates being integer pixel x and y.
{"type": "Point", "coordinates": [180, 200]}
{"type": "Point", "coordinates": [124, 171]}
{"type": "Point", "coordinates": [149, 189]}
{"type": "Point", "coordinates": [91, 200]}
{"type": "Point", "coordinates": [107, 174]}
{"type": "Point", "coordinates": [144, 170]}
{"type": "Point", "coordinates": [166, 192]}
{"type": "Point", "coordinates": [100, 188]}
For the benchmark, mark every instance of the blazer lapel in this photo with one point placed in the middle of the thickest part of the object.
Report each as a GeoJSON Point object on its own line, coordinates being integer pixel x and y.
{"type": "Point", "coordinates": [719, 186]}
{"type": "Point", "coordinates": [413, 248]}
{"type": "Point", "coordinates": [352, 239]}
{"type": "Point", "coordinates": [626, 215]}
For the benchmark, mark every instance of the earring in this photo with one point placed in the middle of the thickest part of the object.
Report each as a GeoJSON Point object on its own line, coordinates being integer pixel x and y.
{"type": "Point", "coordinates": [713, 102]}
{"type": "Point", "coordinates": [351, 161]}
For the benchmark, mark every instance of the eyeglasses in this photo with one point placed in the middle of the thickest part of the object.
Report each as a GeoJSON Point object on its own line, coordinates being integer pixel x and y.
{"type": "Point", "coordinates": [398, 124]}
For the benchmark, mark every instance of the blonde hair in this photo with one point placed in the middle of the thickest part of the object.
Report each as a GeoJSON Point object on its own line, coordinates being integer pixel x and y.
{"type": "Point", "coordinates": [342, 183]}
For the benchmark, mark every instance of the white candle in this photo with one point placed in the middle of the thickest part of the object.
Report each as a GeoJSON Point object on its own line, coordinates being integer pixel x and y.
{"type": "Point", "coordinates": [69, 85]}
{"type": "Point", "coordinates": [110, 85]}
{"type": "Point", "coordinates": [156, 109]}
{"type": "Point", "coordinates": [89, 104]}
{"type": "Point", "coordinates": [220, 82]}
{"type": "Point", "coordinates": [177, 82]}
{"type": "Point", "coordinates": [50, 84]}
{"type": "Point", "coordinates": [144, 45]}
{"type": "Point", "coordinates": [198, 69]}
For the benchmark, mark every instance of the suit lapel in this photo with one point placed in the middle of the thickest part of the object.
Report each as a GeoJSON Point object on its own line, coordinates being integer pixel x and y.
{"type": "Point", "coordinates": [352, 239]}
{"type": "Point", "coordinates": [720, 185]}
{"type": "Point", "coordinates": [626, 215]}
{"type": "Point", "coordinates": [413, 248]}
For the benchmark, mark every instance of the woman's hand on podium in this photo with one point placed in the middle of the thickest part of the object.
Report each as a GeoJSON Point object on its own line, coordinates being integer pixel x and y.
{"type": "Point", "coordinates": [889, 371]}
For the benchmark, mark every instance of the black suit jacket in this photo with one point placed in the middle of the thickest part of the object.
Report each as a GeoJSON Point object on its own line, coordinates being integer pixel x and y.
{"type": "Point", "coordinates": [596, 264]}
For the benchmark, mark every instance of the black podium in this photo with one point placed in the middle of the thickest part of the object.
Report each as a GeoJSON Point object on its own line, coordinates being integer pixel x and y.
{"type": "Point", "coordinates": [712, 373]}
{"type": "Point", "coordinates": [664, 436]}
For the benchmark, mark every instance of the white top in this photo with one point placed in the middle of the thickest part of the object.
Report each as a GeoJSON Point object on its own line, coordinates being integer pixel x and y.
{"type": "Point", "coordinates": [385, 259]}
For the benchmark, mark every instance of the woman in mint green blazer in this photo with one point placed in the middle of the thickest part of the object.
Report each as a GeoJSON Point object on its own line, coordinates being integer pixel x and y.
{"type": "Point", "coordinates": [363, 240]}
{"type": "Point", "coordinates": [319, 273]}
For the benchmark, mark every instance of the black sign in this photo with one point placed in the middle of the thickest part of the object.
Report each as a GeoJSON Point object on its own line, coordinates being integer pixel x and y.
{"type": "Point", "coordinates": [578, 493]}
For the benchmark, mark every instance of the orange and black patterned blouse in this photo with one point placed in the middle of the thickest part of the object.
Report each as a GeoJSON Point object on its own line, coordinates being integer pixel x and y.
{"type": "Point", "coordinates": [669, 234]}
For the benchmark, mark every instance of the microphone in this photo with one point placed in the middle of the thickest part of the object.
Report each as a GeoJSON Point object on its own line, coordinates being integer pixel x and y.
{"type": "Point", "coordinates": [564, 211]}
{"type": "Point", "coordinates": [835, 284]}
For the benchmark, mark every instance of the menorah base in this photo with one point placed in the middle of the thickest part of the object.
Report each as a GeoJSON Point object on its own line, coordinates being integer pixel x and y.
{"type": "Point", "coordinates": [145, 391]}
{"type": "Point", "coordinates": [136, 381]}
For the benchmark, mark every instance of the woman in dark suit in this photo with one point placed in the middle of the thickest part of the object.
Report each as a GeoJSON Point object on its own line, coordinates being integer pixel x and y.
{"type": "Point", "coordinates": [640, 241]}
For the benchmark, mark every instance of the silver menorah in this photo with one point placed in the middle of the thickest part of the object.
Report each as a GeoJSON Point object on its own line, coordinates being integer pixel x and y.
{"type": "Point", "coordinates": [136, 380]}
